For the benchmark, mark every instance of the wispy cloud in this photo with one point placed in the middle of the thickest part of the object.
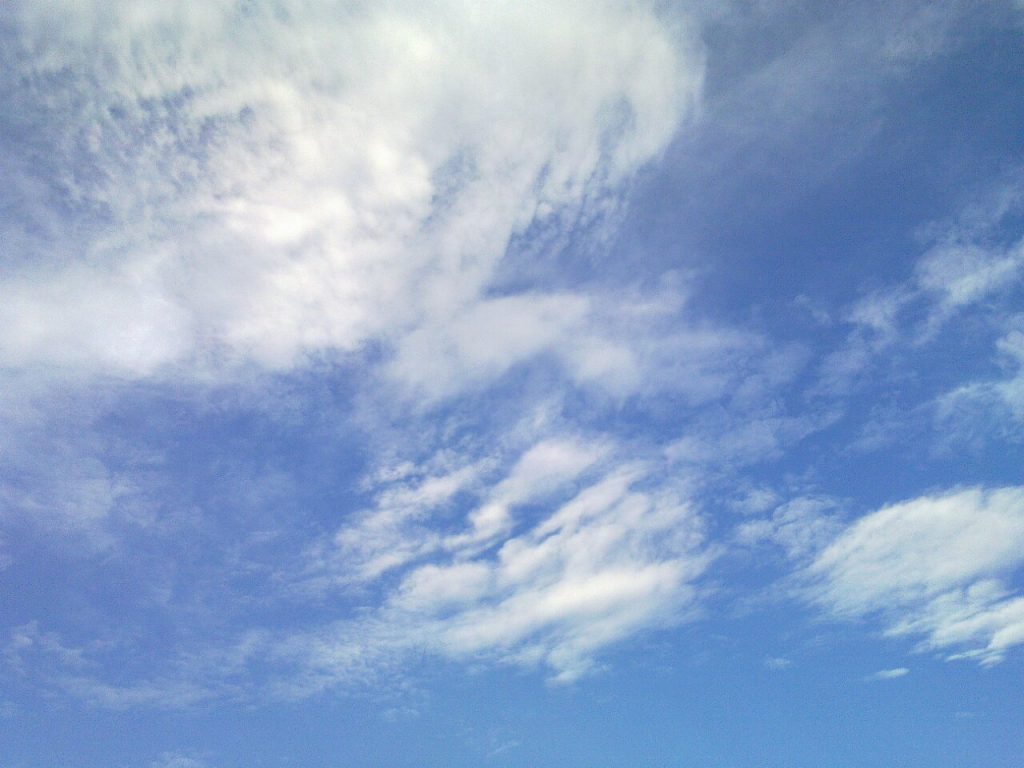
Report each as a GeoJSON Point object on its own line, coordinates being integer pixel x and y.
{"type": "Point", "coordinates": [292, 205]}
{"type": "Point", "coordinates": [613, 551]}
{"type": "Point", "coordinates": [969, 265]}
{"type": "Point", "coordinates": [932, 568]}
{"type": "Point", "coordinates": [801, 527]}
{"type": "Point", "coordinates": [887, 674]}
{"type": "Point", "coordinates": [247, 202]}
{"type": "Point", "coordinates": [995, 404]}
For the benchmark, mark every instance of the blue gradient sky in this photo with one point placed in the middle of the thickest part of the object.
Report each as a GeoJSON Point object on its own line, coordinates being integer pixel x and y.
{"type": "Point", "coordinates": [454, 384]}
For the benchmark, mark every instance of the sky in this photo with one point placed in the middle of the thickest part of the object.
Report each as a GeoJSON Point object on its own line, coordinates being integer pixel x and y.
{"type": "Point", "coordinates": [439, 383]}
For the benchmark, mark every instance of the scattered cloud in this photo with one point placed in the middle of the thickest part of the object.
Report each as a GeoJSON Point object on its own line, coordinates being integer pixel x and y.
{"type": "Point", "coordinates": [727, 441]}
{"type": "Point", "coordinates": [800, 527]}
{"type": "Point", "coordinates": [996, 404]}
{"type": "Point", "coordinates": [756, 501]}
{"type": "Point", "coordinates": [241, 211]}
{"type": "Point", "coordinates": [212, 197]}
{"type": "Point", "coordinates": [29, 641]}
{"type": "Point", "coordinates": [887, 674]}
{"type": "Point", "coordinates": [160, 693]}
{"type": "Point", "coordinates": [970, 264]}
{"type": "Point", "coordinates": [932, 568]}
{"type": "Point", "coordinates": [570, 551]}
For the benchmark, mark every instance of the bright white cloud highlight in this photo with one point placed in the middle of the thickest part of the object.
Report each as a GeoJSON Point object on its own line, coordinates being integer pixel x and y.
{"type": "Point", "coordinates": [888, 674]}
{"type": "Point", "coordinates": [935, 567]}
{"type": "Point", "coordinates": [249, 185]}
{"type": "Point", "coordinates": [589, 565]}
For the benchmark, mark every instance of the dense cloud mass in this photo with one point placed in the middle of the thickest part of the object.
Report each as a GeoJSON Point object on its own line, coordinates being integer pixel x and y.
{"type": "Point", "coordinates": [249, 185]}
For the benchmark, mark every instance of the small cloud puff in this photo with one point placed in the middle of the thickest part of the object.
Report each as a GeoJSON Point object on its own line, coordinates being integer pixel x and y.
{"type": "Point", "coordinates": [887, 674]}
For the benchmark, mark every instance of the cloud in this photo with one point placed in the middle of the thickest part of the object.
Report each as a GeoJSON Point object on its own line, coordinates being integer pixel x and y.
{"type": "Point", "coordinates": [800, 527]}
{"type": "Point", "coordinates": [29, 643]}
{"type": "Point", "coordinates": [571, 550]}
{"type": "Point", "coordinates": [544, 550]}
{"type": "Point", "coordinates": [214, 196]}
{"type": "Point", "coordinates": [724, 438]}
{"type": "Point", "coordinates": [887, 674]}
{"type": "Point", "coordinates": [934, 568]}
{"type": "Point", "coordinates": [381, 199]}
{"type": "Point", "coordinates": [996, 404]}
{"type": "Point", "coordinates": [46, 658]}
{"type": "Point", "coordinates": [243, 194]}
{"type": "Point", "coordinates": [609, 562]}
{"type": "Point", "coordinates": [970, 266]}
{"type": "Point", "coordinates": [790, 106]}
{"type": "Point", "coordinates": [219, 195]}
{"type": "Point", "coordinates": [959, 275]}
{"type": "Point", "coordinates": [402, 526]}
{"type": "Point", "coordinates": [755, 500]}
{"type": "Point", "coordinates": [72, 493]}
{"type": "Point", "coordinates": [566, 552]}
{"type": "Point", "coordinates": [158, 693]}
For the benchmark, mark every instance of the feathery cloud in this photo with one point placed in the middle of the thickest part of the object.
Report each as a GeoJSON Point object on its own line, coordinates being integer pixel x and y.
{"type": "Point", "coordinates": [934, 567]}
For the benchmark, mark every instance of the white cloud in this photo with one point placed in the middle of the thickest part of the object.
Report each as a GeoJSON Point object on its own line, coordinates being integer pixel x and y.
{"type": "Point", "coordinates": [997, 403]}
{"type": "Point", "coordinates": [175, 760]}
{"type": "Point", "coordinates": [230, 189]}
{"type": "Point", "coordinates": [251, 186]}
{"type": "Point", "coordinates": [934, 568]}
{"type": "Point", "coordinates": [962, 274]}
{"type": "Point", "coordinates": [258, 191]}
{"type": "Point", "coordinates": [72, 493]}
{"type": "Point", "coordinates": [159, 693]}
{"type": "Point", "coordinates": [409, 515]}
{"type": "Point", "coordinates": [801, 526]}
{"type": "Point", "coordinates": [397, 529]}
{"type": "Point", "coordinates": [888, 674]}
{"type": "Point", "coordinates": [487, 339]}
{"type": "Point", "coordinates": [29, 642]}
{"type": "Point", "coordinates": [969, 266]}
{"type": "Point", "coordinates": [49, 659]}
{"type": "Point", "coordinates": [732, 440]}
{"type": "Point", "coordinates": [1011, 390]}
{"type": "Point", "coordinates": [755, 501]}
{"type": "Point", "coordinates": [608, 550]}
{"type": "Point", "coordinates": [221, 191]}
{"type": "Point", "coordinates": [616, 343]}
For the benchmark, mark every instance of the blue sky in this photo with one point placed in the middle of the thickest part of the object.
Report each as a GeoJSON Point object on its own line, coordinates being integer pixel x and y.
{"type": "Point", "coordinates": [460, 384]}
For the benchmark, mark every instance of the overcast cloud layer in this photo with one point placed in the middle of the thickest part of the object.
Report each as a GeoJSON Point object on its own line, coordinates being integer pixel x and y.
{"type": "Point", "coordinates": [362, 352]}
